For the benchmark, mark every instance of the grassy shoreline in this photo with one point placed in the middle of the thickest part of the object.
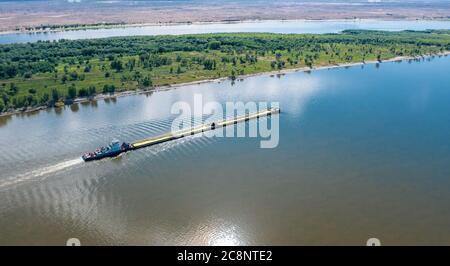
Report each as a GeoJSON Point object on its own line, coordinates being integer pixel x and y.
{"type": "Point", "coordinates": [56, 73]}
{"type": "Point", "coordinates": [181, 85]}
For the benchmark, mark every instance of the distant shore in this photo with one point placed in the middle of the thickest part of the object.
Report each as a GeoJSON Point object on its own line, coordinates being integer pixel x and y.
{"type": "Point", "coordinates": [29, 14]}
{"type": "Point", "coordinates": [69, 27]}
{"type": "Point", "coordinates": [240, 77]}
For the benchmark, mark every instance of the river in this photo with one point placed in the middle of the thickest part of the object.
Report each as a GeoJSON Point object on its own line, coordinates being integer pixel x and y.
{"type": "Point", "coordinates": [288, 26]}
{"type": "Point", "coordinates": [363, 152]}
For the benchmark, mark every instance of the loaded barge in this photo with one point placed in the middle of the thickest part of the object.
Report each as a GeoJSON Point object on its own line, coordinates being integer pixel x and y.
{"type": "Point", "coordinates": [116, 148]}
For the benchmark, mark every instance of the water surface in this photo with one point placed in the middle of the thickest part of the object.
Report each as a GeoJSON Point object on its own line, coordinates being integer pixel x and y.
{"type": "Point", "coordinates": [364, 152]}
{"type": "Point", "coordinates": [289, 26]}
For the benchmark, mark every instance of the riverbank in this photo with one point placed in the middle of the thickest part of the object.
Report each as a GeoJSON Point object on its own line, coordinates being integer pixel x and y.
{"type": "Point", "coordinates": [62, 28]}
{"type": "Point", "coordinates": [38, 13]}
{"type": "Point", "coordinates": [103, 96]}
{"type": "Point", "coordinates": [67, 28]}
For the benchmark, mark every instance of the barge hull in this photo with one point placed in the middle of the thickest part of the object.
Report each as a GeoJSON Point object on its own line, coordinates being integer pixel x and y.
{"type": "Point", "coordinates": [186, 132]}
{"type": "Point", "coordinates": [202, 128]}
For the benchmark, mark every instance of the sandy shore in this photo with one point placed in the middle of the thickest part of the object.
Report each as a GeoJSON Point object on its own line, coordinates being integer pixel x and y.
{"type": "Point", "coordinates": [181, 85]}
{"type": "Point", "coordinates": [218, 22]}
{"type": "Point", "coordinates": [23, 14]}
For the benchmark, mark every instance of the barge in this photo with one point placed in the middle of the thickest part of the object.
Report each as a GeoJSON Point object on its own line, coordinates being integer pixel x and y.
{"type": "Point", "coordinates": [116, 148]}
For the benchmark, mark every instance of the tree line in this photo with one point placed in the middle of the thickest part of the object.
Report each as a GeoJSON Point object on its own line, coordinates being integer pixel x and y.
{"type": "Point", "coordinates": [133, 59]}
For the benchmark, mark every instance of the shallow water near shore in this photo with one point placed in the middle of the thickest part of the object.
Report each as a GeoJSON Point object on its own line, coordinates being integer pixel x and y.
{"type": "Point", "coordinates": [363, 152]}
{"type": "Point", "coordinates": [271, 26]}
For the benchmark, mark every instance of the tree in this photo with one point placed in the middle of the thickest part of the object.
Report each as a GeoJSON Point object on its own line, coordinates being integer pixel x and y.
{"type": "Point", "coordinates": [233, 75]}
{"type": "Point", "coordinates": [309, 62]}
{"type": "Point", "coordinates": [2, 105]}
{"type": "Point", "coordinates": [278, 56]}
{"type": "Point", "coordinates": [273, 64]}
{"type": "Point", "coordinates": [130, 64]}
{"type": "Point", "coordinates": [13, 89]}
{"type": "Point", "coordinates": [71, 92]}
{"type": "Point", "coordinates": [31, 100]}
{"type": "Point", "coordinates": [20, 102]}
{"type": "Point", "coordinates": [214, 45]}
{"type": "Point", "coordinates": [209, 64]}
{"type": "Point", "coordinates": [11, 71]}
{"type": "Point", "coordinates": [117, 65]}
{"type": "Point", "coordinates": [379, 58]}
{"type": "Point", "coordinates": [112, 89]}
{"type": "Point", "coordinates": [109, 89]}
{"type": "Point", "coordinates": [147, 82]}
{"type": "Point", "coordinates": [73, 76]}
{"type": "Point", "coordinates": [91, 90]}
{"type": "Point", "coordinates": [55, 95]}
{"type": "Point", "coordinates": [82, 92]}
{"type": "Point", "coordinates": [5, 98]}
{"type": "Point", "coordinates": [27, 75]}
{"type": "Point", "coordinates": [44, 98]}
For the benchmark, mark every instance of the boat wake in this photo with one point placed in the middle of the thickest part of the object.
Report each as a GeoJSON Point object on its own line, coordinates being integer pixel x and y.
{"type": "Point", "coordinates": [38, 173]}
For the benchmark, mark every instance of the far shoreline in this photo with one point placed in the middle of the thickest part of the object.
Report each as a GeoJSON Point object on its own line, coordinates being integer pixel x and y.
{"type": "Point", "coordinates": [102, 96]}
{"type": "Point", "coordinates": [187, 23]}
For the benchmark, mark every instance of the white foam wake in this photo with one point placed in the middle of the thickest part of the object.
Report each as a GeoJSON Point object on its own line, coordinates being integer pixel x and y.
{"type": "Point", "coordinates": [43, 171]}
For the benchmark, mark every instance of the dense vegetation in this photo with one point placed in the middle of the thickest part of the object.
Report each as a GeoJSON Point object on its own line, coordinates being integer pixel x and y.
{"type": "Point", "coordinates": [46, 73]}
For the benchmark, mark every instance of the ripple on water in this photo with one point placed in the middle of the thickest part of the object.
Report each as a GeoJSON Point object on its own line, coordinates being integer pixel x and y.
{"type": "Point", "coordinates": [39, 173]}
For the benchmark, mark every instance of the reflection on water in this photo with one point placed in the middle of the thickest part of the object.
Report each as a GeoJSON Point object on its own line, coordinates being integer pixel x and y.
{"type": "Point", "coordinates": [217, 232]}
{"type": "Point", "coordinates": [364, 152]}
{"type": "Point", "coordinates": [4, 120]}
{"type": "Point", "coordinates": [94, 103]}
{"type": "Point", "coordinates": [59, 110]}
{"type": "Point", "coordinates": [74, 107]}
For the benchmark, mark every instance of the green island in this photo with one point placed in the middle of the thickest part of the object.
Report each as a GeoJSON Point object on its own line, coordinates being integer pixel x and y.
{"type": "Point", "coordinates": [59, 72]}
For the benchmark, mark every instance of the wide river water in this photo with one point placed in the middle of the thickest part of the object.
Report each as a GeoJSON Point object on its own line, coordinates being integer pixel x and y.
{"type": "Point", "coordinates": [289, 26]}
{"type": "Point", "coordinates": [364, 152]}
